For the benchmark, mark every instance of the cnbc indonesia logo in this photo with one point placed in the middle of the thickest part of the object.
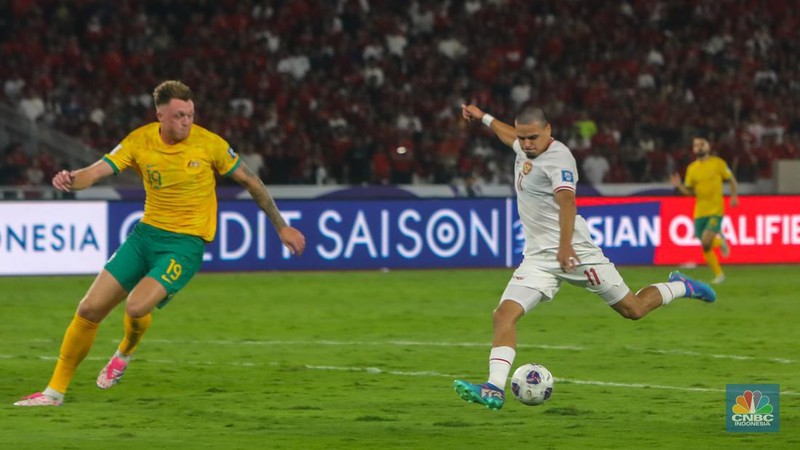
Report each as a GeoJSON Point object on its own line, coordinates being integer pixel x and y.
{"type": "Point", "coordinates": [752, 410]}
{"type": "Point", "coordinates": [752, 407]}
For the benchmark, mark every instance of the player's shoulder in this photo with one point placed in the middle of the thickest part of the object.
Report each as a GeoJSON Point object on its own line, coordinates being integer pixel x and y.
{"type": "Point", "coordinates": [206, 138]}
{"type": "Point", "coordinates": [559, 146]}
{"type": "Point", "coordinates": [201, 132]}
{"type": "Point", "coordinates": [144, 132]}
{"type": "Point", "coordinates": [558, 151]}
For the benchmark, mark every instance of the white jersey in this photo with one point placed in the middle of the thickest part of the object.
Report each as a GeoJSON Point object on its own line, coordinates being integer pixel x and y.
{"type": "Point", "coordinates": [536, 182]}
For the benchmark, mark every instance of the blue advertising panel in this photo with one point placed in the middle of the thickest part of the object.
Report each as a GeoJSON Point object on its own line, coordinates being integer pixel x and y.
{"type": "Point", "coordinates": [41, 238]}
{"type": "Point", "coordinates": [628, 233]}
{"type": "Point", "coordinates": [351, 234]}
{"type": "Point", "coordinates": [370, 234]}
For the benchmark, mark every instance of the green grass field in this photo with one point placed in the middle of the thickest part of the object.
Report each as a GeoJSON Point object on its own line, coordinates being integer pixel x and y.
{"type": "Point", "coordinates": [356, 360]}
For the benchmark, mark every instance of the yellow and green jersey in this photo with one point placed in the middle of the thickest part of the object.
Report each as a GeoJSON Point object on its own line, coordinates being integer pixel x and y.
{"type": "Point", "coordinates": [706, 178]}
{"type": "Point", "coordinates": [178, 179]}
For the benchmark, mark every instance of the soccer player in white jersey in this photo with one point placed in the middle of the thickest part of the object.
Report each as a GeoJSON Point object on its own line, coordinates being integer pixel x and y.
{"type": "Point", "coordinates": [558, 248]}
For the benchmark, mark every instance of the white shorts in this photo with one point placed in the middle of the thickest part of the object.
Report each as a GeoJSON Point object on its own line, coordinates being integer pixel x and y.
{"type": "Point", "coordinates": [537, 280]}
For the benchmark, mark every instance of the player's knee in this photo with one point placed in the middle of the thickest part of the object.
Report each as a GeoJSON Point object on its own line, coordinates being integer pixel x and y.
{"type": "Point", "coordinates": [136, 311]}
{"type": "Point", "coordinates": [499, 318]}
{"type": "Point", "coordinates": [88, 311]}
{"type": "Point", "coordinates": [632, 312]}
{"type": "Point", "coordinates": [507, 314]}
{"type": "Point", "coordinates": [635, 314]}
{"type": "Point", "coordinates": [707, 243]}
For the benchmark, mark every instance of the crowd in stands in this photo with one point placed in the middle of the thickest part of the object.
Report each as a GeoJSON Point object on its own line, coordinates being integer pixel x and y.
{"type": "Point", "coordinates": [18, 168]}
{"type": "Point", "coordinates": [327, 91]}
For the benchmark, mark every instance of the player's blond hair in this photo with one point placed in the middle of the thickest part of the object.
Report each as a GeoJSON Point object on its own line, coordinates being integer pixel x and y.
{"type": "Point", "coordinates": [171, 89]}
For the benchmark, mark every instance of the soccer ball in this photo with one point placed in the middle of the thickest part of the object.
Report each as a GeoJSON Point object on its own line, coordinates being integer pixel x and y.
{"type": "Point", "coordinates": [532, 384]}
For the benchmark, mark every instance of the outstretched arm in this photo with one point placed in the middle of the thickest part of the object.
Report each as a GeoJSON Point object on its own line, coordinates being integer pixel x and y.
{"type": "Point", "coordinates": [75, 180]}
{"type": "Point", "coordinates": [504, 131]}
{"type": "Point", "coordinates": [675, 179]}
{"type": "Point", "coordinates": [290, 236]}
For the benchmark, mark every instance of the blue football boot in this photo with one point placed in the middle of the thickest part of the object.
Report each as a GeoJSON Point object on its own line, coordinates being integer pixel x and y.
{"type": "Point", "coordinates": [485, 394]}
{"type": "Point", "coordinates": [694, 289]}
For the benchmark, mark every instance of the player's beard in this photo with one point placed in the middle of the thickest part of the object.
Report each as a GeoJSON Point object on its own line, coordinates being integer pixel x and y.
{"type": "Point", "coordinates": [702, 154]}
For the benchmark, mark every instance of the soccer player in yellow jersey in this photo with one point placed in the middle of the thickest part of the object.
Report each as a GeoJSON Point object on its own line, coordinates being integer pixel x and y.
{"type": "Point", "coordinates": [704, 179]}
{"type": "Point", "coordinates": [176, 160]}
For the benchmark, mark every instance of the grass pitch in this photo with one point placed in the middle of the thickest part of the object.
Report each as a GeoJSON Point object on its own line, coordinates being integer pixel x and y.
{"type": "Point", "coordinates": [357, 360]}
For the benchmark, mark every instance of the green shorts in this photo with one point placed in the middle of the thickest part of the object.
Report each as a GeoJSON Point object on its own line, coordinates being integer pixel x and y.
{"type": "Point", "coordinates": [172, 259]}
{"type": "Point", "coordinates": [712, 223]}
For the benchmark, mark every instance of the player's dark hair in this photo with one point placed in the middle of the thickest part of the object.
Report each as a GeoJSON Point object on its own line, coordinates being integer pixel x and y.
{"type": "Point", "coordinates": [171, 89]}
{"type": "Point", "coordinates": [530, 114]}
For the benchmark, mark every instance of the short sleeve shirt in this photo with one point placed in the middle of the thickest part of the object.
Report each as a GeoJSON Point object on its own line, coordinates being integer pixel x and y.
{"type": "Point", "coordinates": [178, 179]}
{"type": "Point", "coordinates": [705, 178]}
{"type": "Point", "coordinates": [536, 182]}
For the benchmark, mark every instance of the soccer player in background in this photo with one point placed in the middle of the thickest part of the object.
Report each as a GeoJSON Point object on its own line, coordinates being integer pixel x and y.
{"type": "Point", "coordinates": [704, 179]}
{"type": "Point", "coordinates": [558, 247]}
{"type": "Point", "coordinates": [176, 160]}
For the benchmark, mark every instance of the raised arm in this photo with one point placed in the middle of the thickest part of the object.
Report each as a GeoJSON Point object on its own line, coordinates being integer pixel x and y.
{"type": "Point", "coordinates": [75, 180]}
{"type": "Point", "coordinates": [290, 236]}
{"type": "Point", "coordinates": [505, 132]}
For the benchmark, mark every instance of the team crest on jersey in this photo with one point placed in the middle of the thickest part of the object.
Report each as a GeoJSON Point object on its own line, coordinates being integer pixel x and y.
{"type": "Point", "coordinates": [526, 167]}
{"type": "Point", "coordinates": [566, 175]}
{"type": "Point", "coordinates": [231, 152]}
{"type": "Point", "coordinates": [193, 164]}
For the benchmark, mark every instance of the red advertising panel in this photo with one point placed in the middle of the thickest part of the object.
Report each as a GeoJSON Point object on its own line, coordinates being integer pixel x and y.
{"type": "Point", "coordinates": [761, 229]}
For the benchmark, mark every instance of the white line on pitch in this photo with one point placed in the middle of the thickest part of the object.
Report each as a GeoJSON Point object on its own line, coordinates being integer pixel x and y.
{"type": "Point", "coordinates": [403, 343]}
{"type": "Point", "coordinates": [372, 343]}
{"type": "Point", "coordinates": [715, 356]}
{"type": "Point", "coordinates": [423, 373]}
{"type": "Point", "coordinates": [375, 370]}
{"type": "Point", "coordinates": [399, 343]}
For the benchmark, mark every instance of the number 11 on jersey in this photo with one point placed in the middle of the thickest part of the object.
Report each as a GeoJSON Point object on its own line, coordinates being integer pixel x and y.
{"type": "Point", "coordinates": [591, 275]}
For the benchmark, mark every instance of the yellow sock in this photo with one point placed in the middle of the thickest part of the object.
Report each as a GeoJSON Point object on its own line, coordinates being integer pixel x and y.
{"type": "Point", "coordinates": [134, 330]}
{"type": "Point", "coordinates": [713, 262]}
{"type": "Point", "coordinates": [717, 242]}
{"type": "Point", "coordinates": [76, 344]}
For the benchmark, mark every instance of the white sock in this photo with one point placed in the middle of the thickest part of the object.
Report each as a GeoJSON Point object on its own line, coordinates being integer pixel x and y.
{"type": "Point", "coordinates": [124, 358]}
{"type": "Point", "coordinates": [500, 361]}
{"type": "Point", "coordinates": [670, 291]}
{"type": "Point", "coordinates": [54, 394]}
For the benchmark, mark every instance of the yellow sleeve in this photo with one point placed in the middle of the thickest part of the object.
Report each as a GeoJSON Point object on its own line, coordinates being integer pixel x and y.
{"type": "Point", "coordinates": [225, 159]}
{"type": "Point", "coordinates": [121, 157]}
